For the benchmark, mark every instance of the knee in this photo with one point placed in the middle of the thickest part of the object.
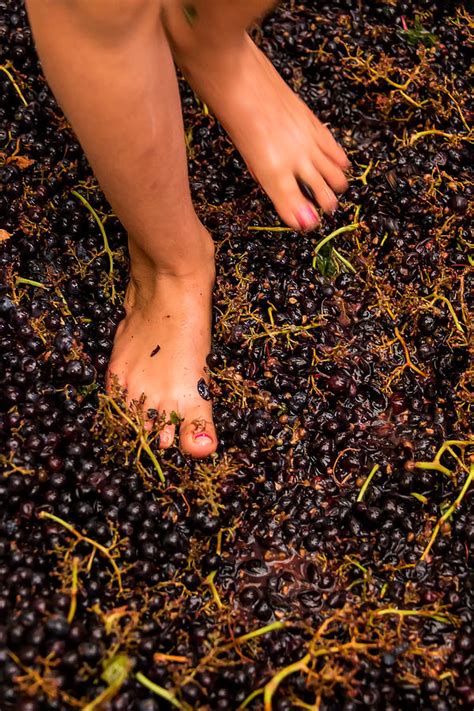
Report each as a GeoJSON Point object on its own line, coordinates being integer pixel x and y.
{"type": "Point", "coordinates": [107, 19]}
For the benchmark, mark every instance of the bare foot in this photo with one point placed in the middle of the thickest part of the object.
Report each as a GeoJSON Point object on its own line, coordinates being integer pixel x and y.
{"type": "Point", "coordinates": [161, 345]}
{"type": "Point", "coordinates": [278, 136]}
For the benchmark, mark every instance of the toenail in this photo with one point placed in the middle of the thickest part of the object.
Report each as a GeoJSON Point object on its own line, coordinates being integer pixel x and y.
{"type": "Point", "coordinates": [307, 217]}
{"type": "Point", "coordinates": [201, 435]}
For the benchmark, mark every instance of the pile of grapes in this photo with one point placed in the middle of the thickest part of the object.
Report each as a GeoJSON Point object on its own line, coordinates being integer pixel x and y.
{"type": "Point", "coordinates": [321, 559]}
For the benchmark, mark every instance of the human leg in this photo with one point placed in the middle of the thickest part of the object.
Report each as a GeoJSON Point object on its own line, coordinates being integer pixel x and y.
{"type": "Point", "coordinates": [278, 136]}
{"type": "Point", "coordinates": [110, 67]}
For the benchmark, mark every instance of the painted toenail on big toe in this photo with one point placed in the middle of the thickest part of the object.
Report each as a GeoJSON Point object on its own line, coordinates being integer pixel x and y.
{"type": "Point", "coordinates": [202, 437]}
{"type": "Point", "coordinates": [307, 217]}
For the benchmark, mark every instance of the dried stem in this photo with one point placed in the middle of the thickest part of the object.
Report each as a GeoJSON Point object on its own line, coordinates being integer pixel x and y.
{"type": "Point", "coordinates": [142, 438]}
{"type": "Point", "coordinates": [74, 589]}
{"type": "Point", "coordinates": [98, 546]}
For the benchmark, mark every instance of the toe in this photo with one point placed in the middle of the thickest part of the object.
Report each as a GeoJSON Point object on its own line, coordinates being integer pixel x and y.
{"type": "Point", "coordinates": [198, 444]}
{"type": "Point", "coordinates": [330, 172]}
{"type": "Point", "coordinates": [328, 144]}
{"type": "Point", "coordinates": [323, 194]}
{"type": "Point", "coordinates": [166, 423]}
{"type": "Point", "coordinates": [305, 217]}
{"type": "Point", "coordinates": [197, 435]}
{"type": "Point", "coordinates": [167, 436]}
{"type": "Point", "coordinates": [294, 209]}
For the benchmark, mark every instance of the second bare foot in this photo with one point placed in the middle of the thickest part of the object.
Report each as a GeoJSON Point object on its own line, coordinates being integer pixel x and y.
{"type": "Point", "coordinates": [280, 139]}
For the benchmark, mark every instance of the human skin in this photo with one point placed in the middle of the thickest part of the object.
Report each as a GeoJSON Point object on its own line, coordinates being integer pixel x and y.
{"type": "Point", "coordinates": [278, 136]}
{"type": "Point", "coordinates": [110, 65]}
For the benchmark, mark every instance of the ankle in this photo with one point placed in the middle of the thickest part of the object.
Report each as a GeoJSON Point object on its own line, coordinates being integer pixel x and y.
{"type": "Point", "coordinates": [189, 260]}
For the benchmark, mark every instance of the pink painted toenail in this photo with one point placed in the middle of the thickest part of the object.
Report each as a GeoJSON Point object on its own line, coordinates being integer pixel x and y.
{"type": "Point", "coordinates": [307, 217]}
{"type": "Point", "coordinates": [200, 435]}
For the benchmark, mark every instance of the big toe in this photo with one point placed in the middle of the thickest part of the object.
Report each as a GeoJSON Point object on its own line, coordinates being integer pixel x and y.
{"type": "Point", "coordinates": [197, 435]}
{"type": "Point", "coordinates": [291, 204]}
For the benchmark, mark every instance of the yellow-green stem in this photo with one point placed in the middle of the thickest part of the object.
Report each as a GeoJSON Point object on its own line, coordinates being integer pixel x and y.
{"type": "Point", "coordinates": [159, 690]}
{"type": "Point", "coordinates": [275, 682]}
{"type": "Point", "coordinates": [449, 512]}
{"type": "Point", "coordinates": [366, 483]}
{"type": "Point", "coordinates": [74, 587]}
{"type": "Point", "coordinates": [4, 68]}
{"type": "Point", "coordinates": [101, 227]}
{"type": "Point", "coordinates": [143, 442]}
{"type": "Point", "coordinates": [215, 594]}
{"type": "Point", "coordinates": [437, 132]}
{"type": "Point", "coordinates": [31, 282]}
{"type": "Point", "coordinates": [328, 238]}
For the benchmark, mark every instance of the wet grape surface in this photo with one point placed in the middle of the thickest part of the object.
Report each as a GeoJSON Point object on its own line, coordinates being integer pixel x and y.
{"type": "Point", "coordinates": [321, 559]}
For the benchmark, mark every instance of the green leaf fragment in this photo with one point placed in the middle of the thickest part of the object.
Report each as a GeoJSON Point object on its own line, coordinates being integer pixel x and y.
{"type": "Point", "coordinates": [417, 34]}
{"type": "Point", "coordinates": [175, 419]}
